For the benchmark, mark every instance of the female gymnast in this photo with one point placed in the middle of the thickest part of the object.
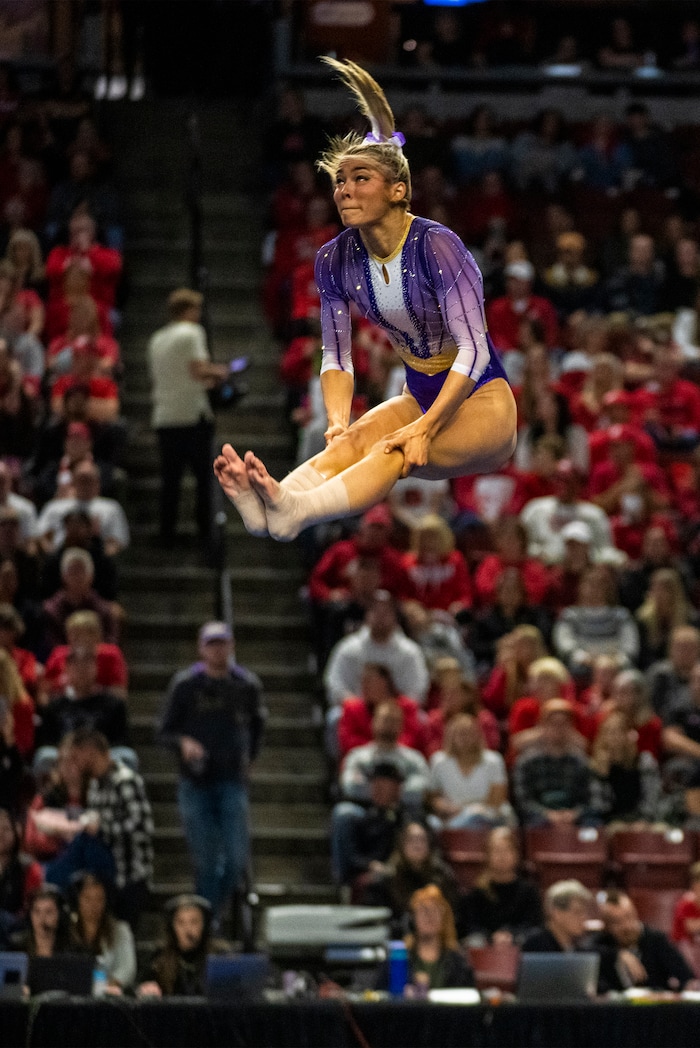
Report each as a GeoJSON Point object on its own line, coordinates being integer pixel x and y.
{"type": "Point", "coordinates": [414, 278]}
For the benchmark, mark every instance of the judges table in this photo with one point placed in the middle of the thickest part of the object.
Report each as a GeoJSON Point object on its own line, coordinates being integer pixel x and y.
{"type": "Point", "coordinates": [334, 1024]}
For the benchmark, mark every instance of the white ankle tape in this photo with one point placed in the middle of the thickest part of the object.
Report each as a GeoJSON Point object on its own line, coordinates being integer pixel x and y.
{"type": "Point", "coordinates": [296, 510]}
{"type": "Point", "coordinates": [303, 478]}
{"type": "Point", "coordinates": [252, 511]}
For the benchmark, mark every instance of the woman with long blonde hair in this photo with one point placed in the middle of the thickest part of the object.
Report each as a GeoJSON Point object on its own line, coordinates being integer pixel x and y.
{"type": "Point", "coordinates": [415, 279]}
{"type": "Point", "coordinates": [18, 712]}
{"type": "Point", "coordinates": [468, 785]}
{"type": "Point", "coordinates": [665, 607]}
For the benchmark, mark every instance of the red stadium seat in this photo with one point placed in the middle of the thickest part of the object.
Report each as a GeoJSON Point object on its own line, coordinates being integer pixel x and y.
{"type": "Point", "coordinates": [558, 853]}
{"type": "Point", "coordinates": [652, 859]}
{"type": "Point", "coordinates": [656, 906]}
{"type": "Point", "coordinates": [465, 851]}
{"type": "Point", "coordinates": [495, 966]}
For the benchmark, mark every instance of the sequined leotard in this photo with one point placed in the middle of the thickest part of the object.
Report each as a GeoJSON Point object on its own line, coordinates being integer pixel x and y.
{"type": "Point", "coordinates": [427, 296]}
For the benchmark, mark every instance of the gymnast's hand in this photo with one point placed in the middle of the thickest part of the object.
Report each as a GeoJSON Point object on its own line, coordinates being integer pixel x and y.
{"type": "Point", "coordinates": [413, 442]}
{"type": "Point", "coordinates": [334, 431]}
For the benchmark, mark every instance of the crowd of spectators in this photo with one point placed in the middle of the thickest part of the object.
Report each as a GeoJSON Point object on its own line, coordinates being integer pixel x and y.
{"type": "Point", "coordinates": [521, 649]}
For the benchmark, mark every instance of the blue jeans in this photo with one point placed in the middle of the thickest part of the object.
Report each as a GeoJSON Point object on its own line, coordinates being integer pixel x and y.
{"type": "Point", "coordinates": [344, 820]}
{"type": "Point", "coordinates": [215, 818]}
{"type": "Point", "coordinates": [85, 852]}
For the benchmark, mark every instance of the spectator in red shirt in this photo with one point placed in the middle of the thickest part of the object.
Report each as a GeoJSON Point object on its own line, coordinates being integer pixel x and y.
{"type": "Point", "coordinates": [11, 629]}
{"type": "Point", "coordinates": [84, 631]}
{"type": "Point", "coordinates": [437, 571]}
{"type": "Point", "coordinates": [686, 916]}
{"type": "Point", "coordinates": [83, 323]}
{"type": "Point", "coordinates": [103, 393]}
{"type": "Point", "coordinates": [548, 678]}
{"type": "Point", "coordinates": [636, 516]}
{"type": "Point", "coordinates": [455, 694]}
{"type": "Point", "coordinates": [540, 480]}
{"type": "Point", "coordinates": [619, 409]}
{"type": "Point", "coordinates": [355, 724]}
{"type": "Point", "coordinates": [630, 696]}
{"type": "Point", "coordinates": [103, 264]}
{"type": "Point", "coordinates": [620, 474]}
{"type": "Point", "coordinates": [15, 697]}
{"type": "Point", "coordinates": [506, 314]}
{"type": "Point", "coordinates": [671, 405]}
{"type": "Point", "coordinates": [511, 542]}
{"type": "Point", "coordinates": [604, 378]}
{"type": "Point", "coordinates": [509, 679]}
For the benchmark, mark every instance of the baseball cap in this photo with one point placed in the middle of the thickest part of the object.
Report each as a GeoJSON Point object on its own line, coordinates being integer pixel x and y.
{"type": "Point", "coordinates": [380, 514]}
{"type": "Point", "coordinates": [577, 531]}
{"type": "Point", "coordinates": [522, 270]}
{"type": "Point", "coordinates": [212, 631]}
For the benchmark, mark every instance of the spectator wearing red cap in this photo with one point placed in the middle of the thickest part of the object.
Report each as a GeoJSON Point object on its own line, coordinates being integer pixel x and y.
{"type": "Point", "coordinates": [102, 392]}
{"type": "Point", "coordinates": [506, 314]}
{"type": "Point", "coordinates": [545, 518]}
{"type": "Point", "coordinates": [621, 475]}
{"type": "Point", "coordinates": [330, 584]}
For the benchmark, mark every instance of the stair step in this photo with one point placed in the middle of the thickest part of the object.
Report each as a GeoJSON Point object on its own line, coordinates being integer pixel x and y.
{"type": "Point", "coordinates": [267, 840]}
{"type": "Point", "coordinates": [279, 731]}
{"type": "Point", "coordinates": [290, 759]}
{"type": "Point", "coordinates": [280, 704]}
{"type": "Point", "coordinates": [265, 786]}
{"type": "Point", "coordinates": [310, 816]}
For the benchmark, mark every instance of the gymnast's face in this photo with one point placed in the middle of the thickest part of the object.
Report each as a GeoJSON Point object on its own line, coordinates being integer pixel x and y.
{"type": "Point", "coordinates": [363, 194]}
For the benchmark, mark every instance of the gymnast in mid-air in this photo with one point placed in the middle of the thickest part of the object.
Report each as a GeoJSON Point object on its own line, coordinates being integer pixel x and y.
{"type": "Point", "coordinates": [415, 279]}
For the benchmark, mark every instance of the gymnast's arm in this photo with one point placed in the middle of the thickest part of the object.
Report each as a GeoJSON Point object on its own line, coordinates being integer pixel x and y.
{"type": "Point", "coordinates": [337, 371]}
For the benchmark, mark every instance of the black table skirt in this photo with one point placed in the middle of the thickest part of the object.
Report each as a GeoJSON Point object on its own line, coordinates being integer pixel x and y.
{"type": "Point", "coordinates": [329, 1024]}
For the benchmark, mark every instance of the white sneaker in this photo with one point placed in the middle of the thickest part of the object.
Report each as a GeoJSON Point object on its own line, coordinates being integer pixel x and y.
{"type": "Point", "coordinates": [100, 88]}
{"type": "Point", "coordinates": [117, 88]}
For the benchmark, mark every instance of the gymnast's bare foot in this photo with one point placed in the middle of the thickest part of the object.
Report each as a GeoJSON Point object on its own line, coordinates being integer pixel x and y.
{"type": "Point", "coordinates": [281, 509]}
{"type": "Point", "coordinates": [231, 473]}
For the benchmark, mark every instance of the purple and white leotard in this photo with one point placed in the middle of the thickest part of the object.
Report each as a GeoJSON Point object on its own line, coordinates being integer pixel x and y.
{"type": "Point", "coordinates": [428, 296]}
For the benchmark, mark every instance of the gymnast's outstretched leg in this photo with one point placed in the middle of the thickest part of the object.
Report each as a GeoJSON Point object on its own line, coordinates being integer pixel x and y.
{"type": "Point", "coordinates": [231, 473]}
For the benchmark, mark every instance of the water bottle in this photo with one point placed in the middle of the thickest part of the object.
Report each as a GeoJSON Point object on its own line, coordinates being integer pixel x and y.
{"type": "Point", "coordinates": [398, 967]}
{"type": "Point", "coordinates": [99, 978]}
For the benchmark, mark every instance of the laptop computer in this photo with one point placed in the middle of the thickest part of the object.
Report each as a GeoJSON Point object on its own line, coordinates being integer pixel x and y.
{"type": "Point", "coordinates": [69, 973]}
{"type": "Point", "coordinates": [13, 975]}
{"type": "Point", "coordinates": [230, 976]}
{"type": "Point", "coordinates": [558, 976]}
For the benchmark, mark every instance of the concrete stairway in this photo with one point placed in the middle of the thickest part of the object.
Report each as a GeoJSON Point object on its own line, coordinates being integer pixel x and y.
{"type": "Point", "coordinates": [168, 595]}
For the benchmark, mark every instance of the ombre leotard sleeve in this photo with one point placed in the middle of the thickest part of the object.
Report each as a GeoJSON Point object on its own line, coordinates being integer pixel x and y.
{"type": "Point", "coordinates": [459, 289]}
{"type": "Point", "coordinates": [336, 332]}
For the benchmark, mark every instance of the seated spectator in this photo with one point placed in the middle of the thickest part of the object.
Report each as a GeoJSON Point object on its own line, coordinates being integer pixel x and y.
{"type": "Point", "coordinates": [539, 479]}
{"type": "Point", "coordinates": [438, 571]}
{"type": "Point", "coordinates": [103, 264]}
{"type": "Point", "coordinates": [12, 628]}
{"type": "Point", "coordinates": [83, 328]}
{"type": "Point", "coordinates": [84, 633]}
{"type": "Point", "coordinates": [20, 876]}
{"type": "Point", "coordinates": [511, 541]}
{"type": "Point", "coordinates": [636, 287]}
{"type": "Point", "coordinates": [468, 784]}
{"type": "Point", "coordinates": [544, 519]}
{"type": "Point", "coordinates": [47, 931]}
{"type": "Point", "coordinates": [681, 735]}
{"type": "Point", "coordinates": [625, 783]}
{"type": "Point", "coordinates": [17, 409]}
{"type": "Point", "coordinates": [481, 149]}
{"type": "Point", "coordinates": [119, 818]}
{"type": "Point", "coordinates": [363, 837]}
{"type": "Point", "coordinates": [108, 517]}
{"type": "Point", "coordinates": [686, 916]}
{"type": "Point", "coordinates": [598, 694]}
{"type": "Point", "coordinates": [630, 697]}
{"type": "Point", "coordinates": [437, 636]}
{"type": "Point", "coordinates": [571, 284]}
{"type": "Point", "coordinates": [178, 968]}
{"type": "Point", "coordinates": [551, 417]}
{"type": "Point", "coordinates": [434, 958]}
{"type": "Point", "coordinates": [96, 931]}
{"type": "Point", "coordinates": [542, 157]}
{"type": "Point", "coordinates": [602, 160]}
{"type": "Point", "coordinates": [502, 907]}
{"type": "Point", "coordinates": [551, 781]}
{"type": "Point", "coordinates": [665, 608]}
{"type": "Point", "coordinates": [24, 509]}
{"type": "Point", "coordinates": [617, 481]}
{"type": "Point", "coordinates": [21, 324]}
{"type": "Point", "coordinates": [548, 679]}
{"type": "Point", "coordinates": [108, 439]}
{"type": "Point", "coordinates": [632, 953]}
{"type": "Point", "coordinates": [652, 157]}
{"type": "Point", "coordinates": [509, 610]}
{"type": "Point", "coordinates": [589, 404]}
{"type": "Point", "coordinates": [596, 625]}
{"type": "Point", "coordinates": [83, 705]}
{"type": "Point", "coordinates": [380, 641]}
{"type": "Point", "coordinates": [509, 680]}
{"type": "Point", "coordinates": [567, 905]}
{"type": "Point", "coordinates": [11, 594]}
{"type": "Point", "coordinates": [413, 498]}
{"type": "Point", "coordinates": [385, 748]}
{"type": "Point", "coordinates": [656, 554]}
{"type": "Point", "coordinates": [682, 281]}
{"type": "Point", "coordinates": [76, 594]}
{"type": "Point", "coordinates": [102, 392]}
{"type": "Point", "coordinates": [506, 314]}
{"type": "Point", "coordinates": [17, 704]}
{"type": "Point", "coordinates": [671, 405]}
{"type": "Point", "coordinates": [451, 695]}
{"type": "Point", "coordinates": [619, 51]}
{"type": "Point", "coordinates": [13, 549]}
{"type": "Point", "coordinates": [669, 679]}
{"type": "Point", "coordinates": [78, 531]}
{"type": "Point", "coordinates": [53, 818]}
{"type": "Point", "coordinates": [23, 252]}
{"type": "Point", "coordinates": [11, 766]}
{"type": "Point", "coordinates": [414, 864]}
{"type": "Point", "coordinates": [331, 581]}
{"type": "Point", "coordinates": [565, 577]}
{"type": "Point", "coordinates": [354, 728]}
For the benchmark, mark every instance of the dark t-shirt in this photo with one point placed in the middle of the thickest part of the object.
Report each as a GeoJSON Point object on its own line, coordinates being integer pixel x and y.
{"type": "Point", "coordinates": [687, 720]}
{"type": "Point", "coordinates": [513, 906]}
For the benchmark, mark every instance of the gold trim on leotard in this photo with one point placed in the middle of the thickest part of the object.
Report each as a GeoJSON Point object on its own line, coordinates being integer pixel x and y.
{"type": "Point", "coordinates": [428, 365]}
{"type": "Point", "coordinates": [397, 249]}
